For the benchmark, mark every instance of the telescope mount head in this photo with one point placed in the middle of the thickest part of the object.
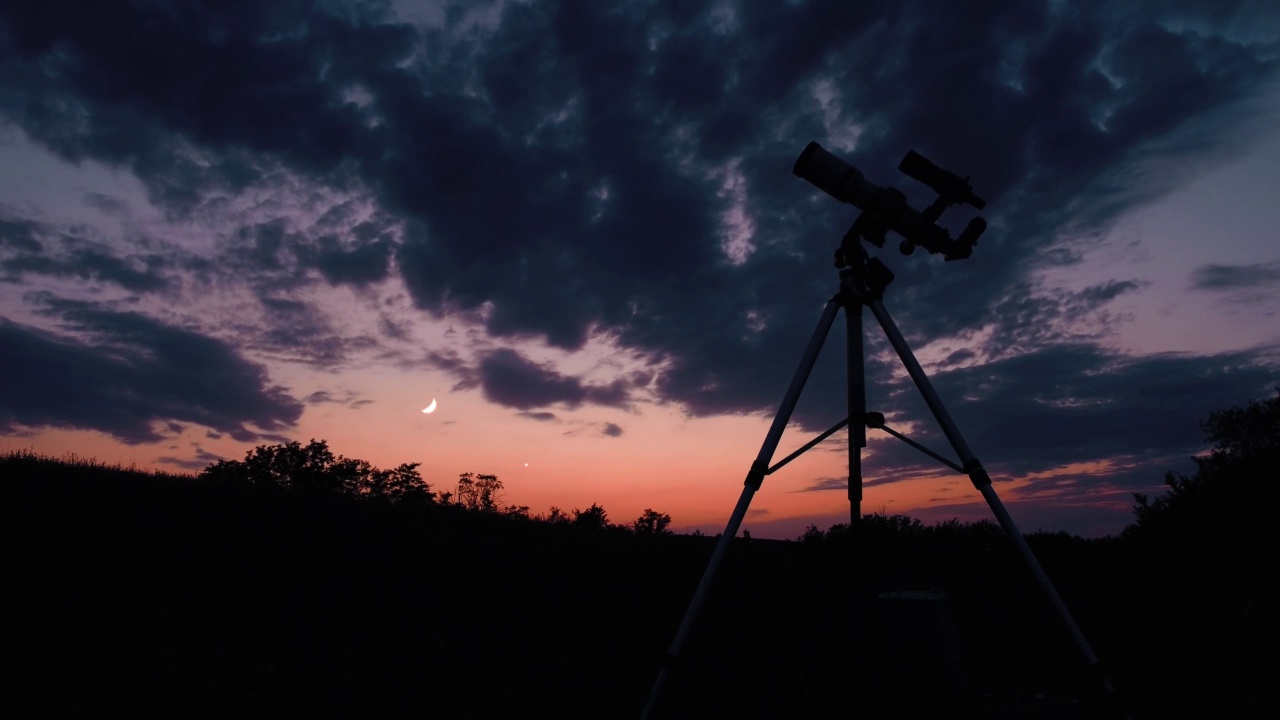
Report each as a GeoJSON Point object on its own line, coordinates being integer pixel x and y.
{"type": "Point", "coordinates": [886, 209]}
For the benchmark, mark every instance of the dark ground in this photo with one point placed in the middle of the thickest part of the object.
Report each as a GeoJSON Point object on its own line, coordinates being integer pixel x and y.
{"type": "Point", "coordinates": [154, 598]}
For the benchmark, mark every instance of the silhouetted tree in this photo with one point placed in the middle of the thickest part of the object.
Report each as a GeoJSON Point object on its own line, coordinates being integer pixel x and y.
{"type": "Point", "coordinates": [403, 484]}
{"type": "Point", "coordinates": [593, 517]}
{"type": "Point", "coordinates": [1233, 487]}
{"type": "Point", "coordinates": [314, 468]}
{"type": "Point", "coordinates": [812, 536]}
{"type": "Point", "coordinates": [556, 516]}
{"type": "Point", "coordinates": [652, 522]}
{"type": "Point", "coordinates": [479, 492]}
{"type": "Point", "coordinates": [289, 465]}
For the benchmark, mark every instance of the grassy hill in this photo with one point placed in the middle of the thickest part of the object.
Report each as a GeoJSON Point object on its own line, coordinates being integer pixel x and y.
{"type": "Point", "coordinates": [145, 595]}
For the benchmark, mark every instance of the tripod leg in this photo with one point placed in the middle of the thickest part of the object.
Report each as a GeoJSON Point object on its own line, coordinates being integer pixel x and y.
{"type": "Point", "coordinates": [857, 406]}
{"type": "Point", "coordinates": [982, 481]}
{"type": "Point", "coordinates": [755, 477]}
{"type": "Point", "coordinates": [857, 402]}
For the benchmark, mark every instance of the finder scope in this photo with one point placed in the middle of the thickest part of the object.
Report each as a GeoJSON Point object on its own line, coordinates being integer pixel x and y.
{"type": "Point", "coordinates": [886, 208]}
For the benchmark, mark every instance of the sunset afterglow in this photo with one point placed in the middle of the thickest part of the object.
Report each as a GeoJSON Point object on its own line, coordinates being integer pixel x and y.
{"type": "Point", "coordinates": [570, 251]}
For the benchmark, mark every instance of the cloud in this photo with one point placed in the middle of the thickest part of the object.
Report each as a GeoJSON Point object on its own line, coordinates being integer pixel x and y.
{"type": "Point", "coordinates": [1234, 277]}
{"type": "Point", "coordinates": [508, 378]}
{"type": "Point", "coordinates": [1062, 405]}
{"type": "Point", "coordinates": [350, 399]}
{"type": "Point", "coordinates": [89, 264]}
{"type": "Point", "coordinates": [36, 248]}
{"type": "Point", "coordinates": [104, 203]}
{"type": "Point", "coordinates": [579, 170]}
{"type": "Point", "coordinates": [298, 331]}
{"type": "Point", "coordinates": [828, 483]}
{"type": "Point", "coordinates": [122, 373]}
{"type": "Point", "coordinates": [202, 459]}
{"type": "Point", "coordinates": [363, 265]}
{"type": "Point", "coordinates": [1071, 403]}
{"type": "Point", "coordinates": [19, 233]}
{"type": "Point", "coordinates": [611, 430]}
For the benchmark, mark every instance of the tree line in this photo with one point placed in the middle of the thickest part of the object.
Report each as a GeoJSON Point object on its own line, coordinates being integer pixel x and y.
{"type": "Point", "coordinates": [1227, 499]}
{"type": "Point", "coordinates": [313, 468]}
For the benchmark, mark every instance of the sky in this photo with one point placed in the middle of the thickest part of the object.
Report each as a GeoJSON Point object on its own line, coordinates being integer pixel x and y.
{"type": "Point", "coordinates": [574, 227]}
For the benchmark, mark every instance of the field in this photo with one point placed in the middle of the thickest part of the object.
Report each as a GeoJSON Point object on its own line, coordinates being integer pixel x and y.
{"type": "Point", "coordinates": [135, 595]}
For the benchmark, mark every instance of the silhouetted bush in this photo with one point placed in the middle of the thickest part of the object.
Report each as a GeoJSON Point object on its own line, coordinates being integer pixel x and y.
{"type": "Point", "coordinates": [652, 522]}
{"type": "Point", "coordinates": [593, 518]}
{"type": "Point", "coordinates": [1229, 499]}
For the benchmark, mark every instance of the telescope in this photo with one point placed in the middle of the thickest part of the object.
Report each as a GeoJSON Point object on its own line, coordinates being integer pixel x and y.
{"type": "Point", "coordinates": [863, 280]}
{"type": "Point", "coordinates": [885, 209]}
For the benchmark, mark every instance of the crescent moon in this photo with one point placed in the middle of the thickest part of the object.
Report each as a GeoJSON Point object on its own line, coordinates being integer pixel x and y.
{"type": "Point", "coordinates": [430, 408]}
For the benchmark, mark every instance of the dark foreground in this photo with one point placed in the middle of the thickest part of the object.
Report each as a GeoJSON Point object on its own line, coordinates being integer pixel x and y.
{"type": "Point", "coordinates": [151, 598]}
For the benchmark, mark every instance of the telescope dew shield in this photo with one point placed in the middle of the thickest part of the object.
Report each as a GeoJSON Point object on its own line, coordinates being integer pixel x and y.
{"type": "Point", "coordinates": [834, 176]}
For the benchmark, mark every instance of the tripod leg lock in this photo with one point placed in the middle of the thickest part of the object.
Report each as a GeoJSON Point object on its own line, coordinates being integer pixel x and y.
{"type": "Point", "coordinates": [977, 473]}
{"type": "Point", "coordinates": [755, 476]}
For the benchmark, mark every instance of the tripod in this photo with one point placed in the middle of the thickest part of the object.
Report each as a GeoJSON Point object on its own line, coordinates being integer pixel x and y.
{"type": "Point", "coordinates": [863, 284]}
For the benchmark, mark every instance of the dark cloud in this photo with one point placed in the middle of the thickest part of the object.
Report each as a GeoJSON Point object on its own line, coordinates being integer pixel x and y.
{"type": "Point", "coordinates": [1067, 404]}
{"type": "Point", "coordinates": [358, 253]}
{"type": "Point", "coordinates": [570, 169]}
{"type": "Point", "coordinates": [876, 474]}
{"type": "Point", "coordinates": [106, 204]}
{"type": "Point", "coordinates": [1233, 277]}
{"type": "Point", "coordinates": [828, 483]}
{"type": "Point", "coordinates": [508, 378]}
{"type": "Point", "coordinates": [540, 416]}
{"type": "Point", "coordinates": [361, 266]}
{"type": "Point", "coordinates": [200, 96]}
{"type": "Point", "coordinates": [89, 264]}
{"type": "Point", "coordinates": [19, 233]}
{"type": "Point", "coordinates": [1062, 405]}
{"type": "Point", "coordinates": [35, 248]}
{"type": "Point", "coordinates": [611, 430]}
{"type": "Point", "coordinates": [453, 363]}
{"type": "Point", "coordinates": [123, 373]}
{"type": "Point", "coordinates": [298, 331]}
{"type": "Point", "coordinates": [395, 329]}
{"type": "Point", "coordinates": [1076, 403]}
{"type": "Point", "coordinates": [1024, 317]}
{"type": "Point", "coordinates": [201, 460]}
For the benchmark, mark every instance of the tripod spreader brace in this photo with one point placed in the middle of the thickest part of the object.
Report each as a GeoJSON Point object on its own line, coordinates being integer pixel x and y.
{"type": "Point", "coordinates": [879, 425]}
{"type": "Point", "coordinates": [875, 421]}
